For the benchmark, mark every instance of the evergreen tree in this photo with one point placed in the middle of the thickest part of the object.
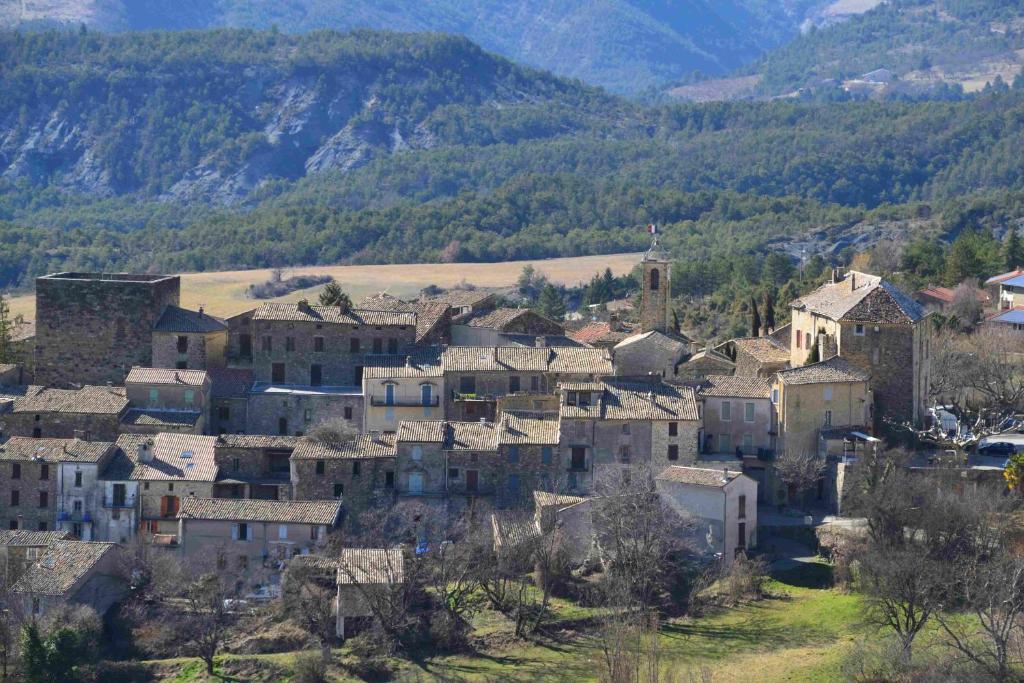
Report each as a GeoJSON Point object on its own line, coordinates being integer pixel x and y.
{"type": "Point", "coordinates": [769, 314]}
{"type": "Point", "coordinates": [755, 319]}
{"type": "Point", "coordinates": [551, 304]}
{"type": "Point", "coordinates": [1013, 257]}
{"type": "Point", "coordinates": [333, 295]}
{"type": "Point", "coordinates": [6, 351]}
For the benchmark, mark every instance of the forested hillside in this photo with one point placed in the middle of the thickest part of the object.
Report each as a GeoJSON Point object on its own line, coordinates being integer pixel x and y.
{"type": "Point", "coordinates": [624, 45]}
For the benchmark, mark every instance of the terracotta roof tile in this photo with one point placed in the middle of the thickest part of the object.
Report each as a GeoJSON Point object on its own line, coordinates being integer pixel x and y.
{"type": "Point", "coordinates": [152, 417]}
{"type": "Point", "coordinates": [62, 565]}
{"type": "Point", "coordinates": [524, 431]}
{"type": "Point", "coordinates": [459, 298]}
{"type": "Point", "coordinates": [763, 349]}
{"type": "Point", "coordinates": [186, 378]}
{"type": "Point", "coordinates": [736, 387]}
{"type": "Point", "coordinates": [21, 537]}
{"type": "Point", "coordinates": [500, 318]}
{"type": "Point", "coordinates": [332, 314]}
{"type": "Point", "coordinates": [833, 370]}
{"type": "Point", "coordinates": [425, 431]}
{"type": "Point", "coordinates": [422, 364]}
{"type": "Point", "coordinates": [375, 445]}
{"type": "Point", "coordinates": [19, 448]}
{"type": "Point", "coordinates": [254, 510]}
{"type": "Point", "coordinates": [698, 476]}
{"type": "Point", "coordinates": [175, 457]}
{"type": "Point", "coordinates": [175, 319]}
{"type": "Point", "coordinates": [872, 299]}
{"type": "Point", "coordinates": [257, 441]}
{"type": "Point", "coordinates": [429, 314]}
{"type": "Point", "coordinates": [371, 566]}
{"type": "Point", "coordinates": [87, 400]}
{"type": "Point", "coordinates": [383, 301]}
{"type": "Point", "coordinates": [639, 401]}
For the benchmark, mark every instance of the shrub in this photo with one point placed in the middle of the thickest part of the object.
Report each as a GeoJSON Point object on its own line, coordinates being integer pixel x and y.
{"type": "Point", "coordinates": [745, 579]}
{"type": "Point", "coordinates": [309, 667]}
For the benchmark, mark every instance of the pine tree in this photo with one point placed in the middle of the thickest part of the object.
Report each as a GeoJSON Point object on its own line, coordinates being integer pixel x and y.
{"type": "Point", "coordinates": [551, 304]}
{"type": "Point", "coordinates": [333, 295]}
{"type": "Point", "coordinates": [6, 350]}
{"type": "Point", "coordinates": [755, 320]}
{"type": "Point", "coordinates": [769, 314]}
{"type": "Point", "coordinates": [1012, 254]}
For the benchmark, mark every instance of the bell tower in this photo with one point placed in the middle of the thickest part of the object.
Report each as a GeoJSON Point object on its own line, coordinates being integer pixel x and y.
{"type": "Point", "coordinates": [657, 281]}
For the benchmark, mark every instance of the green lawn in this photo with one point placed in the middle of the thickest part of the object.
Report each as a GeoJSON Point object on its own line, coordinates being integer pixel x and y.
{"type": "Point", "coordinates": [801, 633]}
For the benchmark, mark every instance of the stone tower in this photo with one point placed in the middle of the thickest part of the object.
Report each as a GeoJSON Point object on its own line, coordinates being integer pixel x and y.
{"type": "Point", "coordinates": [654, 314]}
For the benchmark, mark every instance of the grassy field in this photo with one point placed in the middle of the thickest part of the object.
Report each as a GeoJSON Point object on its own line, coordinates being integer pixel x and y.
{"type": "Point", "coordinates": [223, 293]}
{"type": "Point", "coordinates": [801, 633]}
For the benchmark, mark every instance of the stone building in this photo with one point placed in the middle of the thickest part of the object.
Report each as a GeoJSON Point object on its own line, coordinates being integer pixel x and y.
{"type": "Point", "coordinates": [117, 518]}
{"type": "Point", "coordinates": [72, 573]}
{"type": "Point", "coordinates": [651, 353]}
{"type": "Point", "coordinates": [30, 494]}
{"type": "Point", "coordinates": [239, 351]}
{"type": "Point", "coordinates": [873, 325]}
{"type": "Point", "coordinates": [186, 339]}
{"type": "Point", "coordinates": [619, 424]}
{"type": "Point", "coordinates": [528, 449]}
{"type": "Point", "coordinates": [91, 328]}
{"type": "Point", "coordinates": [11, 374]}
{"type": "Point", "coordinates": [704, 364]}
{"type": "Point", "coordinates": [312, 346]}
{"type": "Point", "coordinates": [466, 301]}
{"type": "Point", "coordinates": [355, 473]}
{"type": "Point", "coordinates": [294, 410]}
{"type": "Point", "coordinates": [229, 400]}
{"type": "Point", "coordinates": [503, 326]}
{"type": "Point", "coordinates": [164, 400]}
{"type": "Point", "coordinates": [20, 549]}
{"type": "Point", "coordinates": [80, 497]}
{"type": "Point", "coordinates": [398, 388]}
{"type": "Point", "coordinates": [92, 411]}
{"type": "Point", "coordinates": [361, 572]}
{"type": "Point", "coordinates": [439, 458]}
{"type": "Point", "coordinates": [656, 291]}
{"type": "Point", "coordinates": [759, 356]}
{"type": "Point", "coordinates": [253, 535]}
{"type": "Point", "coordinates": [253, 466]}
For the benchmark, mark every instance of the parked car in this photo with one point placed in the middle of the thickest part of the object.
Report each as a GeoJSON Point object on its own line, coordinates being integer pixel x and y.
{"type": "Point", "coordinates": [997, 449]}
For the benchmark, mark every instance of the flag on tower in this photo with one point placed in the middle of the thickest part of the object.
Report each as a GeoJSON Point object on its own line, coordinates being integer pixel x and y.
{"type": "Point", "coordinates": [653, 229]}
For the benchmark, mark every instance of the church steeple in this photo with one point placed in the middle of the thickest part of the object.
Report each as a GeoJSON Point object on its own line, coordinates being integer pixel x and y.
{"type": "Point", "coordinates": [657, 285]}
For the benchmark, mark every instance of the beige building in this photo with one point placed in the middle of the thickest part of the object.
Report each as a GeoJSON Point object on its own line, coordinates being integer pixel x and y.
{"type": "Point", "coordinates": [184, 339]}
{"type": "Point", "coordinates": [739, 417]}
{"type": "Point", "coordinates": [165, 400]}
{"type": "Point", "coordinates": [651, 353]}
{"type": "Point", "coordinates": [254, 534]}
{"type": "Point", "coordinates": [822, 396]}
{"type": "Point", "coordinates": [398, 388]}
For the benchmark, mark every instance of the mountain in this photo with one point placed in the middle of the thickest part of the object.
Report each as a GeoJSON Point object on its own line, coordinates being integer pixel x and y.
{"type": "Point", "coordinates": [920, 46]}
{"type": "Point", "coordinates": [627, 46]}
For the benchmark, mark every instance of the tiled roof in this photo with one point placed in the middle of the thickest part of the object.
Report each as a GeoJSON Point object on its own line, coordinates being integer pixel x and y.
{"type": "Point", "coordinates": [386, 302]}
{"type": "Point", "coordinates": [151, 417]}
{"type": "Point", "coordinates": [591, 333]}
{"type": "Point", "coordinates": [545, 498]}
{"type": "Point", "coordinates": [835, 369]}
{"type": "Point", "coordinates": [737, 387]}
{"type": "Point", "coordinates": [32, 538]}
{"type": "Point", "coordinates": [425, 431]}
{"type": "Point", "coordinates": [762, 349]}
{"type": "Point", "coordinates": [253, 510]}
{"type": "Point", "coordinates": [89, 399]}
{"type": "Point", "coordinates": [656, 338]}
{"type": "Point", "coordinates": [62, 565]}
{"type": "Point", "coordinates": [628, 401]}
{"type": "Point", "coordinates": [500, 318]}
{"type": "Point", "coordinates": [512, 529]}
{"type": "Point", "coordinates": [175, 319]}
{"type": "Point", "coordinates": [698, 476]}
{"type": "Point", "coordinates": [453, 436]}
{"type": "Point", "coordinates": [1002, 277]}
{"type": "Point", "coordinates": [332, 314]}
{"type": "Point", "coordinates": [20, 448]}
{"type": "Point", "coordinates": [257, 441]}
{"type": "Point", "coordinates": [713, 356]}
{"type": "Point", "coordinates": [560, 359]}
{"type": "Point", "coordinates": [186, 378]}
{"type": "Point", "coordinates": [460, 298]}
{"type": "Point", "coordinates": [579, 361]}
{"type": "Point", "coordinates": [872, 299]}
{"type": "Point", "coordinates": [429, 314]}
{"type": "Point", "coordinates": [230, 382]}
{"type": "Point", "coordinates": [423, 364]}
{"type": "Point", "coordinates": [7, 367]}
{"type": "Point", "coordinates": [524, 431]}
{"type": "Point", "coordinates": [176, 457]}
{"type": "Point", "coordinates": [371, 566]}
{"type": "Point", "coordinates": [374, 445]}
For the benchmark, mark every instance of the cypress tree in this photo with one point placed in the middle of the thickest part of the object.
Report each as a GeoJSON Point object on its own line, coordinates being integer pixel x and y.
{"type": "Point", "coordinates": [1012, 256]}
{"type": "Point", "coordinates": [755, 321]}
{"type": "Point", "coordinates": [769, 314]}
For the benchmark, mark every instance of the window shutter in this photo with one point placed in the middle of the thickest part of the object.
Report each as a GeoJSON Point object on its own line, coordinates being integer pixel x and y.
{"type": "Point", "coordinates": [234, 532]}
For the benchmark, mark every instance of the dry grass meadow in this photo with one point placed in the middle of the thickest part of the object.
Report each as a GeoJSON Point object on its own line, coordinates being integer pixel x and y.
{"type": "Point", "coordinates": [223, 293]}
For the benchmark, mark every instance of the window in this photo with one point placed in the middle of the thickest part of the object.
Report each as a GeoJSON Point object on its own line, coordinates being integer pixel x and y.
{"type": "Point", "coordinates": [44, 471]}
{"type": "Point", "coordinates": [37, 432]}
{"type": "Point", "coordinates": [415, 482]}
{"type": "Point", "coordinates": [453, 472]}
{"type": "Point", "coordinates": [42, 527]}
{"type": "Point", "coordinates": [353, 345]}
{"type": "Point", "coordinates": [282, 532]}
{"type": "Point", "coordinates": [78, 480]}
{"type": "Point", "coordinates": [154, 396]}
{"type": "Point", "coordinates": [15, 498]}
{"type": "Point", "coordinates": [748, 412]}
{"type": "Point", "coordinates": [389, 394]}
{"type": "Point", "coordinates": [76, 506]}
{"type": "Point", "coordinates": [624, 454]}
{"type": "Point", "coordinates": [37, 607]}
{"type": "Point", "coordinates": [417, 453]}
{"type": "Point", "coordinates": [266, 344]}
{"type": "Point", "coordinates": [319, 468]}
{"type": "Point", "coordinates": [392, 345]}
{"type": "Point", "coordinates": [828, 418]}
{"type": "Point", "coordinates": [673, 451]}
{"type": "Point", "coordinates": [13, 525]}
{"type": "Point", "coordinates": [724, 443]}
{"type": "Point", "coordinates": [339, 489]}
{"type": "Point", "coordinates": [513, 454]}
{"type": "Point", "coordinates": [378, 345]}
{"type": "Point", "coordinates": [535, 383]}
{"type": "Point", "coordinates": [858, 330]}
{"type": "Point", "coordinates": [318, 344]}
{"type": "Point", "coordinates": [190, 397]}
{"type": "Point", "coordinates": [426, 394]}
{"type": "Point", "coordinates": [467, 384]}
{"type": "Point", "coordinates": [748, 443]}
{"type": "Point", "coordinates": [289, 343]}
{"type": "Point", "coordinates": [315, 375]}
{"type": "Point", "coordinates": [775, 396]}
{"type": "Point", "coordinates": [741, 532]}
{"type": "Point", "coordinates": [655, 278]}
{"type": "Point", "coordinates": [307, 415]}
{"type": "Point", "coordinates": [357, 375]}
{"type": "Point", "coordinates": [170, 486]}
{"type": "Point", "coordinates": [145, 486]}
{"type": "Point", "coordinates": [357, 468]}
{"type": "Point", "coordinates": [277, 373]}
{"type": "Point", "coordinates": [726, 413]}
{"type": "Point", "coordinates": [182, 344]}
{"type": "Point", "coordinates": [673, 429]}
{"type": "Point", "coordinates": [44, 499]}
{"type": "Point", "coordinates": [240, 532]}
{"type": "Point", "coordinates": [827, 393]}
{"type": "Point", "coordinates": [245, 346]}
{"type": "Point", "coordinates": [389, 480]}
{"type": "Point", "coordinates": [223, 413]}
{"type": "Point", "coordinates": [625, 428]}
{"type": "Point", "coordinates": [169, 506]}
{"type": "Point", "coordinates": [743, 508]}
{"type": "Point", "coordinates": [799, 337]}
{"type": "Point", "coordinates": [120, 492]}
{"type": "Point", "coordinates": [545, 455]}
{"type": "Point", "coordinates": [348, 412]}
{"type": "Point", "coordinates": [807, 339]}
{"type": "Point", "coordinates": [513, 384]}
{"type": "Point", "coordinates": [16, 470]}
{"type": "Point", "coordinates": [513, 484]}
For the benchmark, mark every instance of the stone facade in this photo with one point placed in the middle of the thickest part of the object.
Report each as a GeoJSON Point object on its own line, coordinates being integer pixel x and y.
{"type": "Point", "coordinates": [240, 347]}
{"type": "Point", "coordinates": [195, 351]}
{"type": "Point", "coordinates": [254, 467]}
{"type": "Point", "coordinates": [28, 494]}
{"type": "Point", "coordinates": [655, 293]}
{"type": "Point", "coordinates": [294, 411]}
{"type": "Point", "coordinates": [62, 425]}
{"type": "Point", "coordinates": [91, 328]}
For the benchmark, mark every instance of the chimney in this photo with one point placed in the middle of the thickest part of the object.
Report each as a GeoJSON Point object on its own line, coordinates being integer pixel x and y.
{"type": "Point", "coordinates": [83, 434]}
{"type": "Point", "coordinates": [725, 475]}
{"type": "Point", "coordinates": [540, 342]}
{"type": "Point", "coordinates": [304, 305]}
{"type": "Point", "coordinates": [408, 361]}
{"type": "Point", "coordinates": [200, 311]}
{"type": "Point", "coordinates": [146, 451]}
{"type": "Point", "coordinates": [483, 420]}
{"type": "Point", "coordinates": [836, 275]}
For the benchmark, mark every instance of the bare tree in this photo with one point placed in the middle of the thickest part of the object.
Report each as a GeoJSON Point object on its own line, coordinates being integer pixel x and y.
{"type": "Point", "coordinates": [309, 587]}
{"type": "Point", "coordinates": [452, 573]}
{"type": "Point", "coordinates": [966, 307]}
{"type": "Point", "coordinates": [336, 433]}
{"type": "Point", "coordinates": [208, 608]}
{"type": "Point", "coordinates": [799, 471]}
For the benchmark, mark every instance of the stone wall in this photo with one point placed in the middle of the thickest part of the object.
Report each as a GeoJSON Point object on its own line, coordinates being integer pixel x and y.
{"type": "Point", "coordinates": [228, 415]}
{"type": "Point", "coordinates": [240, 346]}
{"type": "Point", "coordinates": [301, 410]}
{"type": "Point", "coordinates": [654, 301]}
{"type": "Point", "coordinates": [358, 489]}
{"type": "Point", "coordinates": [100, 426]}
{"type": "Point", "coordinates": [28, 514]}
{"type": "Point", "coordinates": [203, 351]}
{"type": "Point", "coordinates": [92, 328]}
{"type": "Point", "coordinates": [887, 352]}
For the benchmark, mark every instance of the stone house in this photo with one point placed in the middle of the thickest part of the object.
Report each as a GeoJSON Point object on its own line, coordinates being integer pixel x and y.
{"type": "Point", "coordinates": [184, 339]}
{"type": "Point", "coordinates": [250, 534]}
{"type": "Point", "coordinates": [934, 298]}
{"type": "Point", "coordinates": [239, 350]}
{"type": "Point", "coordinates": [72, 572]}
{"type": "Point", "coordinates": [169, 469]}
{"type": "Point", "coordinates": [599, 334]}
{"type": "Point", "coordinates": [294, 410]}
{"type": "Point", "coordinates": [323, 346]}
{"type": "Point", "coordinates": [402, 388]}
{"type": "Point", "coordinates": [253, 466]}
{"type": "Point", "coordinates": [705, 363]}
{"type": "Point", "coordinates": [500, 326]}
{"type": "Point", "coordinates": [362, 572]}
{"type": "Point", "coordinates": [433, 323]}
{"type": "Point", "coordinates": [80, 497]}
{"type": "Point", "coordinates": [354, 473]}
{"type": "Point", "coordinates": [465, 301]}
{"type": "Point", "coordinates": [1007, 289]}
{"type": "Point", "coordinates": [812, 398]}
{"type": "Point", "coordinates": [651, 353]}
{"type": "Point", "coordinates": [441, 458]}
{"type": "Point", "coordinates": [722, 502]}
{"type": "Point", "coordinates": [30, 493]}
{"type": "Point", "coordinates": [11, 374]}
{"type": "Point", "coordinates": [528, 449]}
{"type": "Point", "coordinates": [165, 400]}
{"type": "Point", "coordinates": [229, 400]}
{"type": "Point", "coordinates": [23, 349]}
{"type": "Point", "coordinates": [20, 549]}
{"type": "Point", "coordinates": [620, 424]}
{"type": "Point", "coordinates": [759, 356]}
{"type": "Point", "coordinates": [91, 328]}
{"type": "Point", "coordinates": [872, 324]}
{"type": "Point", "coordinates": [61, 413]}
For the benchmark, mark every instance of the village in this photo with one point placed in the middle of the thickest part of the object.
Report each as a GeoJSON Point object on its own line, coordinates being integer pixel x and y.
{"type": "Point", "coordinates": [341, 444]}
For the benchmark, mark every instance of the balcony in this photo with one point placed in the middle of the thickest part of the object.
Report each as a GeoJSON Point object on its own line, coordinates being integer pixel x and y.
{"type": "Point", "coordinates": [115, 503]}
{"type": "Point", "coordinates": [379, 402]}
{"type": "Point", "coordinates": [83, 517]}
{"type": "Point", "coordinates": [459, 396]}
